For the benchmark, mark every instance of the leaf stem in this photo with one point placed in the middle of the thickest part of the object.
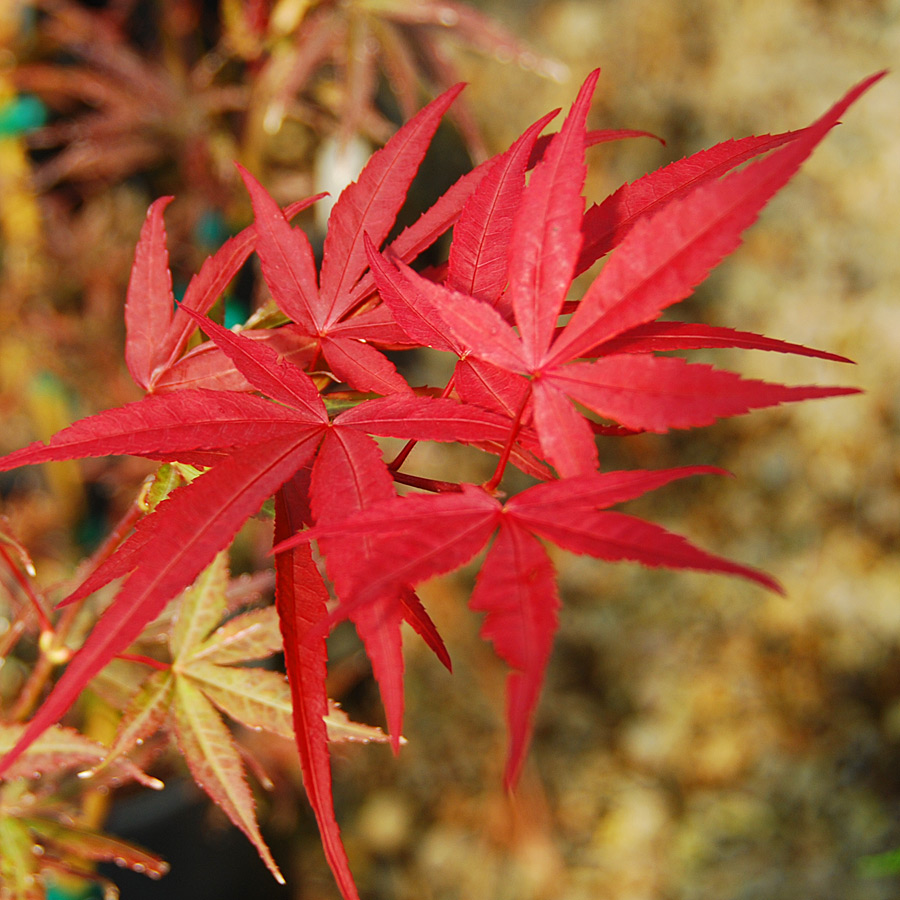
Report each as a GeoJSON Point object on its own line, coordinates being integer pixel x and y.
{"type": "Point", "coordinates": [145, 660]}
{"type": "Point", "coordinates": [32, 688]}
{"type": "Point", "coordinates": [400, 458]}
{"type": "Point", "coordinates": [491, 485]}
{"type": "Point", "coordinates": [427, 484]}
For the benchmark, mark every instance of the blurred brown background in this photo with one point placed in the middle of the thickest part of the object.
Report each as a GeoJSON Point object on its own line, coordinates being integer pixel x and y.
{"type": "Point", "coordinates": [697, 739]}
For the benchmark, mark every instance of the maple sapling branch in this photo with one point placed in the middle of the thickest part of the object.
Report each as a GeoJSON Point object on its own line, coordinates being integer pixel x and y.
{"type": "Point", "coordinates": [14, 631]}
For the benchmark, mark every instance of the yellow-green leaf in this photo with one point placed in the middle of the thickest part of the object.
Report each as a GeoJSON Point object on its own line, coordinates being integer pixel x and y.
{"type": "Point", "coordinates": [18, 863]}
{"type": "Point", "coordinates": [87, 844]}
{"type": "Point", "coordinates": [251, 635]}
{"type": "Point", "coordinates": [215, 763]}
{"type": "Point", "coordinates": [257, 698]}
{"type": "Point", "coordinates": [342, 729]}
{"type": "Point", "coordinates": [201, 608]}
{"type": "Point", "coordinates": [166, 479]}
{"type": "Point", "coordinates": [145, 714]}
{"type": "Point", "coordinates": [60, 748]}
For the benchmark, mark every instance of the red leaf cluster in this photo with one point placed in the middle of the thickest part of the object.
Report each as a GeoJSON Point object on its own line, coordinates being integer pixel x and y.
{"type": "Point", "coordinates": [253, 408]}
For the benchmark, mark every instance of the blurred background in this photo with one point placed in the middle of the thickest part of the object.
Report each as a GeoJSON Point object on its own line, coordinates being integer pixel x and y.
{"type": "Point", "coordinates": [697, 739]}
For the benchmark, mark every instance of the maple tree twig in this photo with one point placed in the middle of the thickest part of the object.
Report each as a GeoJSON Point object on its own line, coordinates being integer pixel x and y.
{"type": "Point", "coordinates": [12, 634]}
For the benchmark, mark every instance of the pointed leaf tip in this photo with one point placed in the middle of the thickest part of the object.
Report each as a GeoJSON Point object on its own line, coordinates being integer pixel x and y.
{"type": "Point", "coordinates": [149, 301]}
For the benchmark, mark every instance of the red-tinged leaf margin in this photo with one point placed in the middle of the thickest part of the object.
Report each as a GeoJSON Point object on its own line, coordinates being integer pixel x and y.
{"type": "Point", "coordinates": [301, 599]}
{"type": "Point", "coordinates": [60, 748]}
{"type": "Point", "coordinates": [215, 764]}
{"type": "Point", "coordinates": [144, 715]}
{"type": "Point", "coordinates": [84, 844]}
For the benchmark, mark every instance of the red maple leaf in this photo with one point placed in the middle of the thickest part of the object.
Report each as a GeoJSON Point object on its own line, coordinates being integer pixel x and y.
{"type": "Point", "coordinates": [516, 586]}
{"type": "Point", "coordinates": [665, 249]}
{"type": "Point", "coordinates": [517, 246]}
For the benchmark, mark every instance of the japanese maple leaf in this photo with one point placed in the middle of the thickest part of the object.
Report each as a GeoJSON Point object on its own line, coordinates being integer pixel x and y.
{"type": "Point", "coordinates": [253, 447]}
{"type": "Point", "coordinates": [516, 587]}
{"type": "Point", "coordinates": [157, 333]}
{"type": "Point", "coordinates": [332, 310]}
{"type": "Point", "coordinates": [537, 370]}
